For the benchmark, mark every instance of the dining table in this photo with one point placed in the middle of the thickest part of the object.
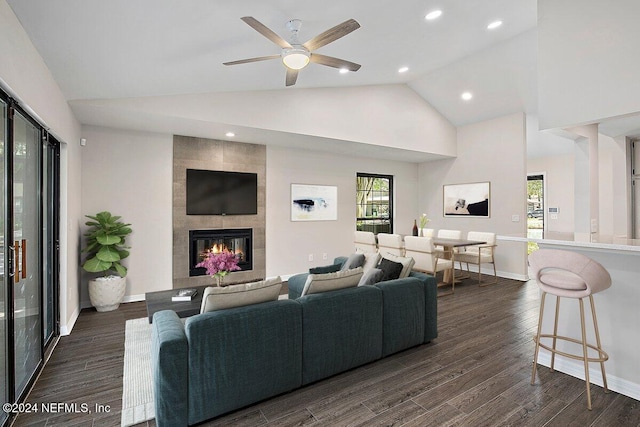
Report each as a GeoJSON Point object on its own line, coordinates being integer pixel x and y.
{"type": "Point", "coordinates": [449, 246]}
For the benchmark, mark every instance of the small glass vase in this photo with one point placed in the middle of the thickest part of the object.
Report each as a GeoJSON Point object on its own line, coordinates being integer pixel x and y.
{"type": "Point", "coordinates": [420, 232]}
{"type": "Point", "coordinates": [219, 280]}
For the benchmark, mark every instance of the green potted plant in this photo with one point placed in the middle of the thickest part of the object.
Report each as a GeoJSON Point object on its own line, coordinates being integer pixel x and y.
{"type": "Point", "coordinates": [105, 248]}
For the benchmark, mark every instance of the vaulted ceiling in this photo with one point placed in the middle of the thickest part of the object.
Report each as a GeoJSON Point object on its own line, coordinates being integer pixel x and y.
{"type": "Point", "coordinates": [121, 49]}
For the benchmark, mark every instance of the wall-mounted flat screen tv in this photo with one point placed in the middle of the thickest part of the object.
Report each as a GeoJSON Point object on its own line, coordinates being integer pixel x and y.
{"type": "Point", "coordinates": [221, 193]}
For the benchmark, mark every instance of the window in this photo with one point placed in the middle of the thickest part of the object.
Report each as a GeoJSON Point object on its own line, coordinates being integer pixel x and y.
{"type": "Point", "coordinates": [374, 210]}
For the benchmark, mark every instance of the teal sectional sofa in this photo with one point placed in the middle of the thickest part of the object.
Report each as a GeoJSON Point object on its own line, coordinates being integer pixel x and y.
{"type": "Point", "coordinates": [224, 360]}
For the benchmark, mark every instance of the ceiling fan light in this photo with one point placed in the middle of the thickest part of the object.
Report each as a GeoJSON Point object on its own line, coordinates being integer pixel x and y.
{"type": "Point", "coordinates": [295, 58]}
{"type": "Point", "coordinates": [433, 15]}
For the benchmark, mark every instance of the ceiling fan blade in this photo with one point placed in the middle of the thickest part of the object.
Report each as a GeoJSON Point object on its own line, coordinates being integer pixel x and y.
{"type": "Point", "coordinates": [262, 29]}
{"type": "Point", "coordinates": [292, 76]}
{"type": "Point", "coordinates": [332, 34]}
{"type": "Point", "coordinates": [246, 61]}
{"type": "Point", "coordinates": [330, 61]}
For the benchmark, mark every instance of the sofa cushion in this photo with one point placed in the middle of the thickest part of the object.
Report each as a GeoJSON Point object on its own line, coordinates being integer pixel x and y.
{"type": "Point", "coordinates": [371, 277]}
{"type": "Point", "coordinates": [317, 283]}
{"type": "Point", "coordinates": [219, 298]}
{"type": "Point", "coordinates": [341, 330]}
{"type": "Point", "coordinates": [241, 356]}
{"type": "Point", "coordinates": [325, 269]}
{"type": "Point", "coordinates": [407, 263]}
{"type": "Point", "coordinates": [354, 261]}
{"type": "Point", "coordinates": [403, 302]}
{"type": "Point", "coordinates": [391, 270]}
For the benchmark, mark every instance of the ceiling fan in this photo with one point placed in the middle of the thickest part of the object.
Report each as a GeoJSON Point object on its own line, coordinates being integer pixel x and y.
{"type": "Point", "coordinates": [295, 55]}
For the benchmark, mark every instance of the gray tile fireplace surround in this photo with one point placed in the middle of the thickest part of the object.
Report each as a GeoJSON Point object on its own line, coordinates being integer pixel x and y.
{"type": "Point", "coordinates": [211, 154]}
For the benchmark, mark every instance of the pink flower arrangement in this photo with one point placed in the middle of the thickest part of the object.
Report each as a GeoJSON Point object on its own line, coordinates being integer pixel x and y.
{"type": "Point", "coordinates": [219, 264]}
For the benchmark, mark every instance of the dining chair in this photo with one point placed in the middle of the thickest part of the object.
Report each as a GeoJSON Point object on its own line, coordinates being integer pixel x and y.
{"type": "Point", "coordinates": [426, 259]}
{"type": "Point", "coordinates": [479, 254]}
{"type": "Point", "coordinates": [365, 241]}
{"type": "Point", "coordinates": [390, 243]}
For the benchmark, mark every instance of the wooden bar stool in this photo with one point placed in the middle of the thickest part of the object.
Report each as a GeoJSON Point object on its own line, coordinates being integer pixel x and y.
{"type": "Point", "coordinates": [570, 275]}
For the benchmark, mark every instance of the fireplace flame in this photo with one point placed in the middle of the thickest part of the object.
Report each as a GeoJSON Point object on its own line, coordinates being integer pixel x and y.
{"type": "Point", "coordinates": [218, 248]}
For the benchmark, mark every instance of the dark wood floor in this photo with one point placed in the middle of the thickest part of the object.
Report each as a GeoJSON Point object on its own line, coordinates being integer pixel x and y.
{"type": "Point", "coordinates": [476, 373]}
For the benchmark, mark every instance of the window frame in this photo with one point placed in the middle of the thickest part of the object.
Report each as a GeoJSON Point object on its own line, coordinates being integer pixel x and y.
{"type": "Point", "coordinates": [379, 219]}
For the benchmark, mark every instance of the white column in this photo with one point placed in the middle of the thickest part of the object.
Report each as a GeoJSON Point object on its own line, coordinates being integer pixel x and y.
{"type": "Point", "coordinates": [586, 220]}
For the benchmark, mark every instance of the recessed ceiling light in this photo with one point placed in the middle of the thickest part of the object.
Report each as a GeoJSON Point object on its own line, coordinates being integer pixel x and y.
{"type": "Point", "coordinates": [433, 15]}
{"type": "Point", "coordinates": [403, 69]}
{"type": "Point", "coordinates": [466, 96]}
{"type": "Point", "coordinates": [344, 70]}
{"type": "Point", "coordinates": [494, 25]}
{"type": "Point", "coordinates": [230, 134]}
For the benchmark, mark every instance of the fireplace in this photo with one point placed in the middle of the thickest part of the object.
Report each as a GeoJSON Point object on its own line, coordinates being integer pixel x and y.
{"type": "Point", "coordinates": [236, 240]}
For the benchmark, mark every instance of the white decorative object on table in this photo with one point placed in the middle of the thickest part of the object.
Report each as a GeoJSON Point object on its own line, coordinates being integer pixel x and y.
{"type": "Point", "coordinates": [423, 222]}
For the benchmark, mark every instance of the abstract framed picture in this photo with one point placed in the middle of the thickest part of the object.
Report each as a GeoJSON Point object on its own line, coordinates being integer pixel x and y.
{"type": "Point", "coordinates": [314, 202]}
{"type": "Point", "coordinates": [467, 200]}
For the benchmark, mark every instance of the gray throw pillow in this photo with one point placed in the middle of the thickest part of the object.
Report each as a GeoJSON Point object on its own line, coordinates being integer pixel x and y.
{"type": "Point", "coordinates": [354, 261]}
{"type": "Point", "coordinates": [317, 283]}
{"type": "Point", "coordinates": [371, 260]}
{"type": "Point", "coordinates": [371, 277]}
{"type": "Point", "coordinates": [219, 298]}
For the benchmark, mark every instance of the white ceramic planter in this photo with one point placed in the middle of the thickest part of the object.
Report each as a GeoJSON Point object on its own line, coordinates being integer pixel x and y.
{"type": "Point", "coordinates": [106, 293]}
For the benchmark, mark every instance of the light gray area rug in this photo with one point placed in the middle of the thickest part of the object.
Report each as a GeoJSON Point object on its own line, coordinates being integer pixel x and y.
{"type": "Point", "coordinates": [137, 391]}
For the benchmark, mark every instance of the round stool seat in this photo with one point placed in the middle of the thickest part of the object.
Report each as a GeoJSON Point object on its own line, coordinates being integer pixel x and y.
{"type": "Point", "coordinates": [570, 275]}
{"type": "Point", "coordinates": [559, 281]}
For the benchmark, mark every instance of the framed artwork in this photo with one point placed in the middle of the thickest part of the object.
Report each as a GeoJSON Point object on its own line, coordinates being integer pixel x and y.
{"type": "Point", "coordinates": [314, 202]}
{"type": "Point", "coordinates": [467, 199]}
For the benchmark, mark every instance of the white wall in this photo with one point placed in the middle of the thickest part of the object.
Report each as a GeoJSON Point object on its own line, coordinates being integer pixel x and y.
{"type": "Point", "coordinates": [130, 174]}
{"type": "Point", "coordinates": [613, 181]}
{"type": "Point", "coordinates": [494, 151]}
{"type": "Point", "coordinates": [384, 115]}
{"type": "Point", "coordinates": [559, 177]}
{"type": "Point", "coordinates": [25, 73]}
{"type": "Point", "coordinates": [614, 177]}
{"type": "Point", "coordinates": [289, 243]}
{"type": "Point", "coordinates": [587, 61]}
{"type": "Point", "coordinates": [141, 163]}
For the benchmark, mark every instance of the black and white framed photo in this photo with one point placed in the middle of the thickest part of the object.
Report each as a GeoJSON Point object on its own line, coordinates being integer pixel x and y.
{"type": "Point", "coordinates": [472, 199]}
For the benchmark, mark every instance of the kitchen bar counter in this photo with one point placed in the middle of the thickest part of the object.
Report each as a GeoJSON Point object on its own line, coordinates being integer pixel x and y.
{"type": "Point", "coordinates": [617, 308]}
{"type": "Point", "coordinates": [594, 241]}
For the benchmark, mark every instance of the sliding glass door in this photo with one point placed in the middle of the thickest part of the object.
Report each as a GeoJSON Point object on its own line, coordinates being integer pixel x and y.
{"type": "Point", "coordinates": [4, 282]}
{"type": "Point", "coordinates": [27, 315]}
{"type": "Point", "coordinates": [29, 195]}
{"type": "Point", "coordinates": [50, 242]}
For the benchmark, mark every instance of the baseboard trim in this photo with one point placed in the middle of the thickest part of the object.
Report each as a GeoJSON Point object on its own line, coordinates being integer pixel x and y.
{"type": "Point", "coordinates": [134, 298]}
{"type": "Point", "coordinates": [576, 370]}
{"type": "Point", "coordinates": [488, 271]}
{"type": "Point", "coordinates": [127, 298]}
{"type": "Point", "coordinates": [506, 275]}
{"type": "Point", "coordinates": [66, 329]}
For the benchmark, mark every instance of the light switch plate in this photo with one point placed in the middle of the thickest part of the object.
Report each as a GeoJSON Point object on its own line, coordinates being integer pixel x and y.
{"type": "Point", "coordinates": [515, 218]}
